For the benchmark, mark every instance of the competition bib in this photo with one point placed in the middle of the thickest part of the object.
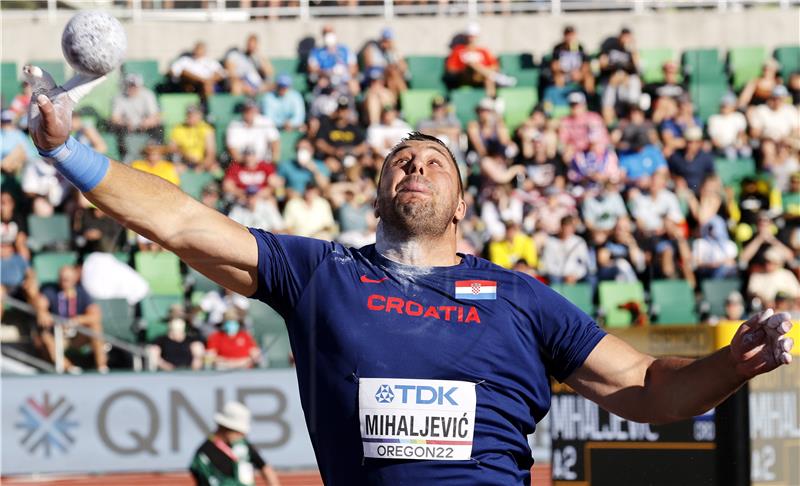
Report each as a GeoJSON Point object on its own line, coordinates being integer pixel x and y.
{"type": "Point", "coordinates": [416, 419]}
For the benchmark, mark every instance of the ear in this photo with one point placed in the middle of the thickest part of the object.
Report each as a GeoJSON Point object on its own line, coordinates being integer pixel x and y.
{"type": "Point", "coordinates": [461, 211]}
{"type": "Point", "coordinates": [375, 210]}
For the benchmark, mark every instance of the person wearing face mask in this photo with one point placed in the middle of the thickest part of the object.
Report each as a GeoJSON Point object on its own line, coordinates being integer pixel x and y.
{"type": "Point", "coordinates": [232, 346]}
{"type": "Point", "coordinates": [303, 168]}
{"type": "Point", "coordinates": [334, 60]}
{"type": "Point", "coordinates": [176, 349]}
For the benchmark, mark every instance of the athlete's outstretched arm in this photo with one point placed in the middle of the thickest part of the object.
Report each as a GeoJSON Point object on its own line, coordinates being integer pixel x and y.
{"type": "Point", "coordinates": [205, 239]}
{"type": "Point", "coordinates": [641, 388]}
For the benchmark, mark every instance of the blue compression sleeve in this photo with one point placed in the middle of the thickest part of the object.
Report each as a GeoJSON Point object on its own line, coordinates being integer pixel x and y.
{"type": "Point", "coordinates": [79, 164]}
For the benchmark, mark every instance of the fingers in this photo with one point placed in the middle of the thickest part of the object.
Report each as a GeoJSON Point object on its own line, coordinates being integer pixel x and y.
{"type": "Point", "coordinates": [783, 349]}
{"type": "Point", "coordinates": [46, 109]}
{"type": "Point", "coordinates": [80, 85]}
{"type": "Point", "coordinates": [780, 323]}
{"type": "Point", "coordinates": [754, 322]}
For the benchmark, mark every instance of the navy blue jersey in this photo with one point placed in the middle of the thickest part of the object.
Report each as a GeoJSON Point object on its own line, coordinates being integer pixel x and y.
{"type": "Point", "coordinates": [356, 317]}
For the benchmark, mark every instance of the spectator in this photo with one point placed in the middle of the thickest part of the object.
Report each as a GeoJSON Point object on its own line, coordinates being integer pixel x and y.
{"type": "Point", "coordinates": [44, 187]}
{"type": "Point", "coordinates": [671, 87]}
{"type": "Point", "coordinates": [249, 176]}
{"type": "Point", "coordinates": [335, 61]}
{"type": "Point", "coordinates": [754, 250]}
{"type": "Point", "coordinates": [17, 279]}
{"type": "Point", "coordinates": [196, 72]}
{"type": "Point", "coordinates": [596, 165]}
{"type": "Point", "coordinates": [232, 346]}
{"type": "Point", "coordinates": [135, 110]}
{"type": "Point", "coordinates": [781, 160]}
{"type": "Point", "coordinates": [226, 457]}
{"type": "Point", "coordinates": [386, 134]}
{"type": "Point", "coordinates": [541, 169]}
{"type": "Point", "coordinates": [776, 120]}
{"type": "Point", "coordinates": [383, 55]}
{"type": "Point", "coordinates": [253, 131]}
{"type": "Point", "coordinates": [155, 163]}
{"type": "Point", "coordinates": [514, 247]}
{"type": "Point", "coordinates": [93, 229]}
{"type": "Point", "coordinates": [619, 54]}
{"type": "Point", "coordinates": [215, 304]}
{"type": "Point", "coordinates": [284, 105]}
{"type": "Point", "coordinates": [378, 96]}
{"type": "Point", "coordinates": [71, 302]}
{"type": "Point", "coordinates": [538, 125]}
{"type": "Point", "coordinates": [713, 200]}
{"type": "Point", "coordinates": [556, 96]}
{"type": "Point", "coordinates": [691, 166]}
{"type": "Point", "coordinates": [765, 284]}
{"type": "Point", "coordinates": [634, 133]}
{"type": "Point", "coordinates": [15, 147]}
{"type": "Point", "coordinates": [444, 125]}
{"type": "Point", "coordinates": [753, 203]}
{"type": "Point", "coordinates": [565, 258]}
{"type": "Point", "coordinates": [576, 127]}
{"type": "Point", "coordinates": [193, 141]}
{"type": "Point", "coordinates": [734, 307]}
{"type": "Point", "coordinates": [757, 91]}
{"type": "Point", "coordinates": [728, 130]}
{"type": "Point", "coordinates": [303, 169]}
{"type": "Point", "coordinates": [469, 64]}
{"type": "Point", "coordinates": [674, 127]}
{"type": "Point", "coordinates": [259, 210]}
{"type": "Point", "coordinates": [175, 349]}
{"type": "Point", "coordinates": [794, 87]}
{"type": "Point", "coordinates": [790, 201]}
{"type": "Point", "coordinates": [248, 72]}
{"type": "Point", "coordinates": [714, 253]}
{"type": "Point", "coordinates": [310, 215]}
{"type": "Point", "coordinates": [356, 219]}
{"type": "Point", "coordinates": [488, 134]}
{"type": "Point", "coordinates": [14, 227]}
{"type": "Point", "coordinates": [500, 208]}
{"type": "Point", "coordinates": [104, 276]}
{"type": "Point", "coordinates": [618, 255]}
{"type": "Point", "coordinates": [19, 105]}
{"type": "Point", "coordinates": [569, 58]}
{"type": "Point", "coordinates": [603, 210]}
{"type": "Point", "coordinates": [621, 90]}
{"type": "Point", "coordinates": [339, 135]}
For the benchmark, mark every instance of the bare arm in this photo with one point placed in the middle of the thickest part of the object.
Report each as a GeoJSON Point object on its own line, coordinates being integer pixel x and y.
{"type": "Point", "coordinates": [641, 388]}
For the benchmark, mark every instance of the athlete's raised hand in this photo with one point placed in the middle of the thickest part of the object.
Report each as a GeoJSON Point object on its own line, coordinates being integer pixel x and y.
{"type": "Point", "coordinates": [50, 110]}
{"type": "Point", "coordinates": [760, 345]}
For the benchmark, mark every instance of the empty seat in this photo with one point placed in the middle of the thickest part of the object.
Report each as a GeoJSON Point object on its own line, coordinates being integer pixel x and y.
{"type": "Point", "coordinates": [673, 302]}
{"type": "Point", "coordinates": [427, 72]}
{"type": "Point", "coordinates": [49, 232]}
{"type": "Point", "coordinates": [789, 59]}
{"type": "Point", "coordinates": [745, 64]}
{"type": "Point", "coordinates": [48, 264]}
{"type": "Point", "coordinates": [519, 103]}
{"type": "Point", "coordinates": [707, 97]}
{"type": "Point", "coordinates": [97, 102]}
{"type": "Point", "coordinates": [416, 104]}
{"type": "Point", "coordinates": [716, 291]}
{"type": "Point", "coordinates": [288, 141]}
{"type": "Point", "coordinates": [288, 65]}
{"type": "Point", "coordinates": [732, 172]}
{"type": "Point", "coordinates": [579, 294]}
{"type": "Point", "coordinates": [146, 68]}
{"type": "Point", "coordinates": [651, 62]}
{"type": "Point", "coordinates": [117, 319]}
{"type": "Point", "coordinates": [112, 145]}
{"type": "Point", "coordinates": [162, 271]}
{"type": "Point", "coordinates": [465, 100]}
{"type": "Point", "coordinates": [702, 63]}
{"type": "Point", "coordinates": [277, 348]}
{"type": "Point", "coordinates": [9, 82]}
{"type": "Point", "coordinates": [612, 295]}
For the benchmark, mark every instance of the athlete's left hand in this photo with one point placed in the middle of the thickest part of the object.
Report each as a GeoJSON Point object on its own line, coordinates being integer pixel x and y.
{"type": "Point", "coordinates": [760, 345]}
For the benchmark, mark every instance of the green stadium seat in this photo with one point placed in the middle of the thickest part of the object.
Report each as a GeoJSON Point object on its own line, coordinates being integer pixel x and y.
{"type": "Point", "coordinates": [716, 291]}
{"type": "Point", "coordinates": [122, 256]}
{"type": "Point", "coordinates": [193, 182]}
{"type": "Point", "coordinates": [707, 97]}
{"type": "Point", "coordinates": [789, 59]}
{"type": "Point", "coordinates": [47, 265]}
{"type": "Point", "coordinates": [98, 101]}
{"type": "Point", "coordinates": [427, 72]}
{"type": "Point", "coordinates": [117, 319]}
{"type": "Point", "coordinates": [173, 108]}
{"type": "Point", "coordinates": [288, 141]}
{"type": "Point", "coordinates": [288, 65]}
{"type": "Point", "coordinates": [56, 68]}
{"type": "Point", "coordinates": [155, 309]}
{"type": "Point", "coordinates": [465, 100]}
{"type": "Point", "coordinates": [700, 64]}
{"type": "Point", "coordinates": [651, 62]}
{"type": "Point", "coordinates": [199, 282]}
{"type": "Point", "coordinates": [528, 78]}
{"type": "Point", "coordinates": [745, 64]}
{"type": "Point", "coordinates": [614, 294]}
{"type": "Point", "coordinates": [222, 111]}
{"type": "Point", "coordinates": [731, 172]}
{"type": "Point", "coordinates": [673, 302]}
{"type": "Point", "coordinates": [146, 68]}
{"type": "Point", "coordinates": [265, 320]}
{"type": "Point", "coordinates": [161, 270]}
{"type": "Point", "coordinates": [112, 145]}
{"type": "Point", "coordinates": [519, 103]}
{"type": "Point", "coordinates": [514, 62]}
{"type": "Point", "coordinates": [416, 104]}
{"type": "Point", "coordinates": [579, 294]}
{"type": "Point", "coordinates": [49, 232]}
{"type": "Point", "coordinates": [277, 349]}
{"type": "Point", "coordinates": [9, 82]}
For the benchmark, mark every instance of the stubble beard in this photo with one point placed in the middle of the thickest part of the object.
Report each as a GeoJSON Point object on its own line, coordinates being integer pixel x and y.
{"type": "Point", "coordinates": [416, 218]}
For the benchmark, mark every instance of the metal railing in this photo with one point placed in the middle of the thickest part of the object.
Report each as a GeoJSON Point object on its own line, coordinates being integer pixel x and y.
{"type": "Point", "coordinates": [222, 11]}
{"type": "Point", "coordinates": [139, 355]}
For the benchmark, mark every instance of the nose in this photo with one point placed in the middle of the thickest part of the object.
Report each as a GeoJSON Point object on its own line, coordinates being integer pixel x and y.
{"type": "Point", "coordinates": [414, 166]}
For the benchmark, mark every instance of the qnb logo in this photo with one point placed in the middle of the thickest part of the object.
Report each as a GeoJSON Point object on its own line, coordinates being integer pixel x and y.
{"type": "Point", "coordinates": [384, 394]}
{"type": "Point", "coordinates": [46, 425]}
{"type": "Point", "coordinates": [417, 394]}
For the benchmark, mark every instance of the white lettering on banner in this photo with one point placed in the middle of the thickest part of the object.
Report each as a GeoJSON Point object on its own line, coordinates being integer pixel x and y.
{"type": "Point", "coordinates": [774, 415]}
{"type": "Point", "coordinates": [574, 418]}
{"type": "Point", "coordinates": [143, 421]}
{"type": "Point", "coordinates": [416, 419]}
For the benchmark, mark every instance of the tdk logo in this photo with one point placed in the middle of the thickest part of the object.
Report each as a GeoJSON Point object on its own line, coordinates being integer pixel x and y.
{"type": "Point", "coordinates": [418, 394]}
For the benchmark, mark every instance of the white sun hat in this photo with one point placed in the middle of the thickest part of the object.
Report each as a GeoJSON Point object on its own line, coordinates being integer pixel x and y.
{"type": "Point", "coordinates": [234, 416]}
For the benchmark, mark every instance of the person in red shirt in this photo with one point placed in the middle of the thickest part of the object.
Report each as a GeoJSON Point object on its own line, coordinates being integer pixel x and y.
{"type": "Point", "coordinates": [232, 347]}
{"type": "Point", "coordinates": [472, 65]}
{"type": "Point", "coordinates": [249, 176]}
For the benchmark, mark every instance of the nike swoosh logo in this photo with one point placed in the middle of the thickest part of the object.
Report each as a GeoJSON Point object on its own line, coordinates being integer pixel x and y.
{"type": "Point", "coordinates": [365, 279]}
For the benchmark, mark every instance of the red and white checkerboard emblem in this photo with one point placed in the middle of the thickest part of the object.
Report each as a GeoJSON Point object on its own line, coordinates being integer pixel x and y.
{"type": "Point", "coordinates": [476, 289]}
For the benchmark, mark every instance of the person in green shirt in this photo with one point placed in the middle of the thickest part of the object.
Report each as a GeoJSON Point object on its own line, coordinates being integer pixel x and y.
{"type": "Point", "coordinates": [226, 458]}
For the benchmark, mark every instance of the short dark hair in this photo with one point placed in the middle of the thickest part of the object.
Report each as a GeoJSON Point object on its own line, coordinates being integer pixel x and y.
{"type": "Point", "coordinates": [422, 137]}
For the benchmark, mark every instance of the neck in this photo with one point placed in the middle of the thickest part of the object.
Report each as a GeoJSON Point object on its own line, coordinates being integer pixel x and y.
{"type": "Point", "coordinates": [417, 250]}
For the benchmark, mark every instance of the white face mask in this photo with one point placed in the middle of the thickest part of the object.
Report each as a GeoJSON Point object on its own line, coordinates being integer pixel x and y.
{"type": "Point", "coordinates": [303, 155]}
{"type": "Point", "coordinates": [329, 39]}
{"type": "Point", "coordinates": [177, 326]}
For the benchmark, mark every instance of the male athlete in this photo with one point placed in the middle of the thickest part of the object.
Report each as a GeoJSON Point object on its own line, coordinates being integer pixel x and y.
{"type": "Point", "coordinates": [416, 364]}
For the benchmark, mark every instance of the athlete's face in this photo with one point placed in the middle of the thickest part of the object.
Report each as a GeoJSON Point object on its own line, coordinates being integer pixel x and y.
{"type": "Point", "coordinates": [419, 190]}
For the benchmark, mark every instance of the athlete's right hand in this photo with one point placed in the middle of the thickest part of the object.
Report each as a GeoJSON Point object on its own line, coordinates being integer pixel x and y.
{"type": "Point", "coordinates": [50, 110]}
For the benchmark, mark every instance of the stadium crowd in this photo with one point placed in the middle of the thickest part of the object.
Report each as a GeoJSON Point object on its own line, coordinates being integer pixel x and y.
{"type": "Point", "coordinates": [609, 177]}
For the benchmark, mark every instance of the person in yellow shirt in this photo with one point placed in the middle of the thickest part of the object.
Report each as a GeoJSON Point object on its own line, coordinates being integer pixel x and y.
{"type": "Point", "coordinates": [514, 247]}
{"type": "Point", "coordinates": [194, 142]}
{"type": "Point", "coordinates": [154, 163]}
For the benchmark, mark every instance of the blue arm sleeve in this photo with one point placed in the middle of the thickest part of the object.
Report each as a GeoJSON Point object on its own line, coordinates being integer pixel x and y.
{"type": "Point", "coordinates": [285, 266]}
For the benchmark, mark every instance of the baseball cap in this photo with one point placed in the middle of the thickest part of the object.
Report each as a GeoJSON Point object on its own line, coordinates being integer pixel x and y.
{"type": "Point", "coordinates": [728, 99]}
{"type": "Point", "coordinates": [780, 91]}
{"type": "Point", "coordinates": [7, 116]}
{"type": "Point", "coordinates": [473, 29]}
{"type": "Point", "coordinates": [283, 80]}
{"type": "Point", "coordinates": [133, 79]}
{"type": "Point", "coordinates": [387, 33]}
{"type": "Point", "coordinates": [343, 102]}
{"type": "Point", "coordinates": [576, 98]}
{"type": "Point", "coordinates": [693, 134]}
